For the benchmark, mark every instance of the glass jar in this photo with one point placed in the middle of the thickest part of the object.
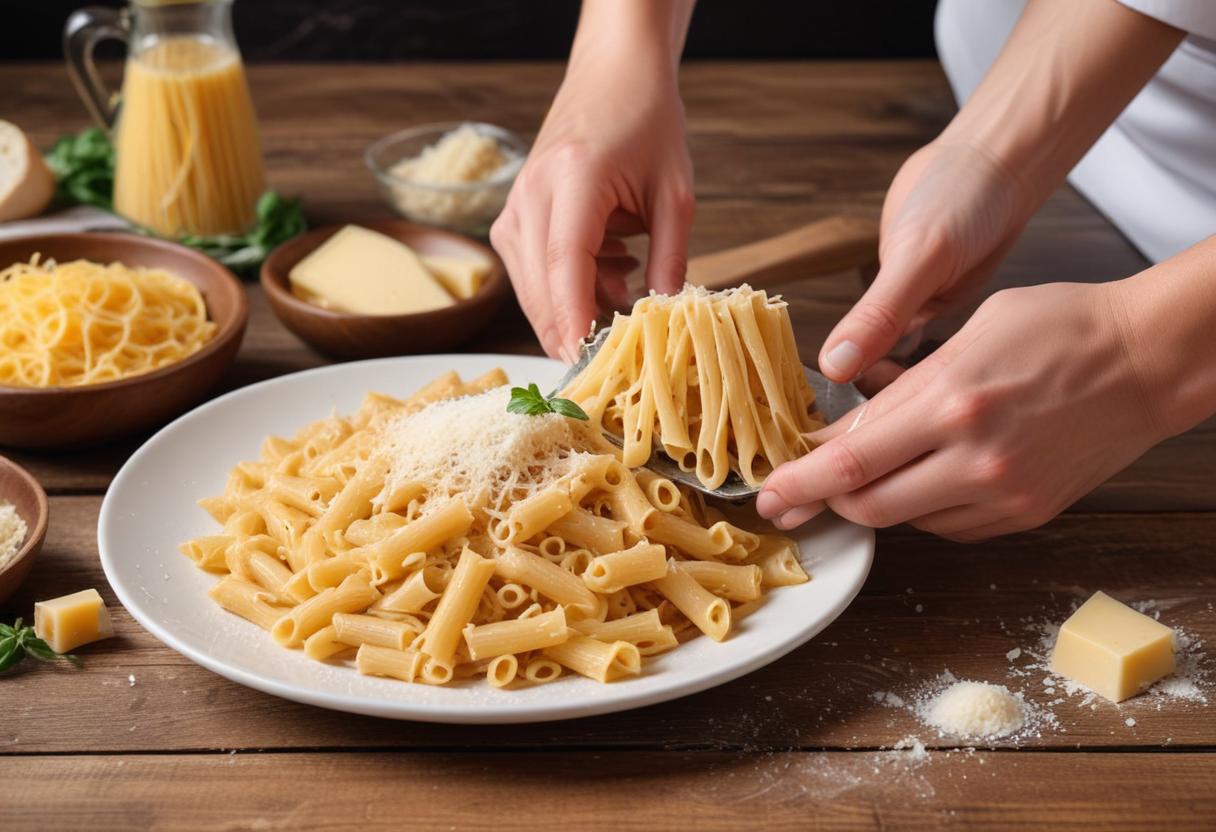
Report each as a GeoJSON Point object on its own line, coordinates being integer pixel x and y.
{"type": "Point", "coordinates": [189, 157]}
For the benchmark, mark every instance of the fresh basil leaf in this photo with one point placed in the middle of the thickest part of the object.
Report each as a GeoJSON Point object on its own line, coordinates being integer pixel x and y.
{"type": "Point", "coordinates": [568, 409]}
{"type": "Point", "coordinates": [19, 642]}
{"type": "Point", "coordinates": [527, 401]}
{"type": "Point", "coordinates": [40, 650]}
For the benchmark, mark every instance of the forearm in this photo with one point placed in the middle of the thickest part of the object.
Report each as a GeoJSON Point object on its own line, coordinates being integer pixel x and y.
{"type": "Point", "coordinates": [644, 31]}
{"type": "Point", "coordinates": [1067, 71]}
{"type": "Point", "coordinates": [1168, 314]}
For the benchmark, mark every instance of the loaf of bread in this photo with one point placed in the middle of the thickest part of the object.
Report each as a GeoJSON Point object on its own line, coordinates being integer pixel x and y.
{"type": "Point", "coordinates": [26, 183]}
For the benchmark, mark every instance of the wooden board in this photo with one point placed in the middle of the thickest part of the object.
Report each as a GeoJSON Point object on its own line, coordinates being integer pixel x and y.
{"type": "Point", "coordinates": [608, 790]}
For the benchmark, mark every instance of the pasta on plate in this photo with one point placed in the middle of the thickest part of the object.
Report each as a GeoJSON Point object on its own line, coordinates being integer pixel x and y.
{"type": "Point", "coordinates": [711, 378]}
{"type": "Point", "coordinates": [77, 323]}
{"type": "Point", "coordinates": [441, 538]}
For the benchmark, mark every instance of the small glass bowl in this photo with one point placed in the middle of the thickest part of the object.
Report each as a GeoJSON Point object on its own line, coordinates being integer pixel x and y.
{"type": "Point", "coordinates": [464, 208]}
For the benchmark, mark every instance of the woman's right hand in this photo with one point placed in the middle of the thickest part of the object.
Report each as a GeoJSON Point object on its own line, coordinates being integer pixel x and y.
{"type": "Point", "coordinates": [611, 160]}
{"type": "Point", "coordinates": [951, 214]}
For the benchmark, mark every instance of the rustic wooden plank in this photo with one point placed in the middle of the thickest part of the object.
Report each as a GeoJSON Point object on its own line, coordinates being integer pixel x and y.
{"type": "Point", "coordinates": [820, 696]}
{"type": "Point", "coordinates": [705, 791]}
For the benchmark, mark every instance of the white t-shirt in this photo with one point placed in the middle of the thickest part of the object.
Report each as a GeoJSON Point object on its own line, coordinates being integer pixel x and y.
{"type": "Point", "coordinates": [1153, 173]}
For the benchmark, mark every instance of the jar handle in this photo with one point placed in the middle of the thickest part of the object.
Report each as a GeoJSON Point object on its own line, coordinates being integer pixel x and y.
{"type": "Point", "coordinates": [84, 30]}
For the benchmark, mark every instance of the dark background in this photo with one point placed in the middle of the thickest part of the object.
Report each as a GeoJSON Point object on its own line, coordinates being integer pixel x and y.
{"type": "Point", "coordinates": [381, 30]}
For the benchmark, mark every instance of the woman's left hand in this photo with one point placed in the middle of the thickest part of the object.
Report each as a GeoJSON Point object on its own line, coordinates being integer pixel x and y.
{"type": "Point", "coordinates": [1036, 401]}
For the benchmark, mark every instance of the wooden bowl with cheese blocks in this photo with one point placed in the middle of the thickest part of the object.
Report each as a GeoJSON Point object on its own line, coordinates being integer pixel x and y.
{"type": "Point", "coordinates": [383, 288]}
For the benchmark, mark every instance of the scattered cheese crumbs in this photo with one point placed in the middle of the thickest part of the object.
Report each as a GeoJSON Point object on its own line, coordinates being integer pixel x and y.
{"type": "Point", "coordinates": [888, 699]}
{"type": "Point", "coordinates": [131, 680]}
{"type": "Point", "coordinates": [975, 710]}
{"type": "Point", "coordinates": [913, 746]}
{"type": "Point", "coordinates": [12, 533]}
{"type": "Point", "coordinates": [920, 607]}
{"type": "Point", "coordinates": [1014, 653]}
{"type": "Point", "coordinates": [473, 447]}
{"type": "Point", "coordinates": [1130, 722]}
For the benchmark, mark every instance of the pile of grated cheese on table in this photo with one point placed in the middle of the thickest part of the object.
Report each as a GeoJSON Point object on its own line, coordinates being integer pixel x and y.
{"type": "Point", "coordinates": [472, 447]}
{"type": "Point", "coordinates": [12, 533]}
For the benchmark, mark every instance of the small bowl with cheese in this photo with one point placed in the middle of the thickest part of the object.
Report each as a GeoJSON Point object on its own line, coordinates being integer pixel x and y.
{"type": "Point", "coordinates": [383, 288]}
{"type": "Point", "coordinates": [23, 520]}
{"type": "Point", "coordinates": [451, 175]}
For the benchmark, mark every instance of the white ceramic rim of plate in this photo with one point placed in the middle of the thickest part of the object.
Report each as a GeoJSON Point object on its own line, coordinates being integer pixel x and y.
{"type": "Point", "coordinates": [512, 708]}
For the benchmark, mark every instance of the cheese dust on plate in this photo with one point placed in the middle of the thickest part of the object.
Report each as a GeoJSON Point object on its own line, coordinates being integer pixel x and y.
{"type": "Point", "coordinates": [12, 533]}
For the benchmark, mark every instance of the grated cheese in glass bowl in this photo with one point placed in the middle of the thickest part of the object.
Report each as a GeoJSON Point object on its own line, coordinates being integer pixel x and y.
{"type": "Point", "coordinates": [453, 175]}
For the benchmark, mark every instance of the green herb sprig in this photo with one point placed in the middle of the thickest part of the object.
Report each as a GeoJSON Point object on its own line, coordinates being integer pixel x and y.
{"type": "Point", "coordinates": [17, 642]}
{"type": "Point", "coordinates": [83, 165]}
{"type": "Point", "coordinates": [530, 401]}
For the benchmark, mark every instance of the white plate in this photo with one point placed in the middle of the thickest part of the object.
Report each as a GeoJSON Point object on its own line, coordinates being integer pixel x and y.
{"type": "Point", "coordinates": [150, 508]}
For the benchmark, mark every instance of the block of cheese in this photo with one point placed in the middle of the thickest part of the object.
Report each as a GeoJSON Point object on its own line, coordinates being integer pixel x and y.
{"type": "Point", "coordinates": [462, 276]}
{"type": "Point", "coordinates": [1112, 649]}
{"type": "Point", "coordinates": [72, 620]}
{"type": "Point", "coordinates": [368, 273]}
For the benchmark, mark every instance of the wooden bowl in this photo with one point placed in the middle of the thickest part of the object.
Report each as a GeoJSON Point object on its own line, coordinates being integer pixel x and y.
{"type": "Point", "coordinates": [346, 335]}
{"type": "Point", "coordinates": [66, 417]}
{"type": "Point", "coordinates": [17, 486]}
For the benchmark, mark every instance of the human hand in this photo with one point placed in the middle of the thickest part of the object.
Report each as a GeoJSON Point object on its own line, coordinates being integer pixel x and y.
{"type": "Point", "coordinates": [611, 160]}
{"type": "Point", "coordinates": [1038, 399]}
{"type": "Point", "coordinates": [950, 215]}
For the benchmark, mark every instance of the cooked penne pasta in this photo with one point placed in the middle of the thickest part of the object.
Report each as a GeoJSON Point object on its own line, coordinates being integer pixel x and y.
{"type": "Point", "coordinates": [517, 636]}
{"type": "Point", "coordinates": [502, 670]}
{"type": "Point", "coordinates": [414, 593]}
{"type": "Point", "coordinates": [584, 529]}
{"type": "Point", "coordinates": [247, 600]}
{"type": "Point", "coordinates": [354, 629]}
{"type": "Point", "coordinates": [440, 538]}
{"type": "Point", "coordinates": [644, 630]}
{"type": "Point", "coordinates": [324, 643]}
{"type": "Point", "coordinates": [209, 552]}
{"type": "Point", "coordinates": [352, 595]}
{"type": "Point", "coordinates": [777, 558]}
{"type": "Point", "coordinates": [597, 660]}
{"type": "Point", "coordinates": [456, 607]}
{"type": "Point", "coordinates": [372, 660]}
{"type": "Point", "coordinates": [709, 613]}
{"type": "Point", "coordinates": [736, 582]}
{"type": "Point", "coordinates": [549, 579]}
{"type": "Point", "coordinates": [616, 570]}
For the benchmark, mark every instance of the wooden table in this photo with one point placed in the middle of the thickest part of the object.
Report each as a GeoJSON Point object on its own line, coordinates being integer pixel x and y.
{"type": "Point", "coordinates": [144, 738]}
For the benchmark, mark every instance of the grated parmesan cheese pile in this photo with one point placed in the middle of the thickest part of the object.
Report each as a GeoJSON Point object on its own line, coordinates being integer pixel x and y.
{"type": "Point", "coordinates": [461, 156]}
{"type": "Point", "coordinates": [12, 533]}
{"type": "Point", "coordinates": [975, 710]}
{"type": "Point", "coordinates": [473, 447]}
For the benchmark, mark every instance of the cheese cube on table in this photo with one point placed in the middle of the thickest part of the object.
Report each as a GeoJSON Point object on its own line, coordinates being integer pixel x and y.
{"type": "Point", "coordinates": [72, 620]}
{"type": "Point", "coordinates": [1112, 649]}
{"type": "Point", "coordinates": [368, 273]}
